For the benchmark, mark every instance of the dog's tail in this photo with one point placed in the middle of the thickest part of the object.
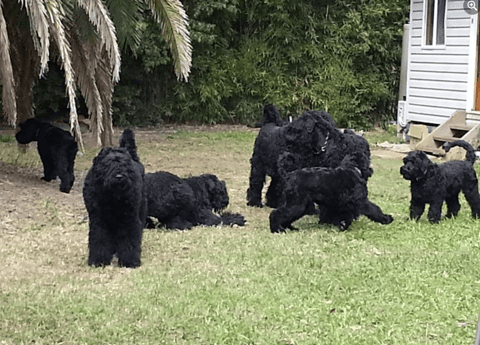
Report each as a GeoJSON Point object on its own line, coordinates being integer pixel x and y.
{"type": "Point", "coordinates": [470, 157]}
{"type": "Point", "coordinates": [127, 140]}
{"type": "Point", "coordinates": [271, 115]}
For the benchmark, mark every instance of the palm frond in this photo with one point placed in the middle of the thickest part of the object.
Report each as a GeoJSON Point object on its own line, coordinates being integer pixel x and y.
{"type": "Point", "coordinates": [84, 61]}
{"type": "Point", "coordinates": [99, 16]}
{"type": "Point", "coordinates": [37, 15]}
{"type": "Point", "coordinates": [174, 24]}
{"type": "Point", "coordinates": [6, 73]}
{"type": "Point", "coordinates": [55, 18]}
{"type": "Point", "coordinates": [127, 16]}
{"type": "Point", "coordinates": [103, 78]}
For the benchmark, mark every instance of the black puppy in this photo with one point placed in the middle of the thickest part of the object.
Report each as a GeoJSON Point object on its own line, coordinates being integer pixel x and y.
{"type": "Point", "coordinates": [435, 184]}
{"type": "Point", "coordinates": [183, 203]}
{"type": "Point", "coordinates": [115, 198]}
{"type": "Point", "coordinates": [56, 147]}
{"type": "Point", "coordinates": [341, 195]}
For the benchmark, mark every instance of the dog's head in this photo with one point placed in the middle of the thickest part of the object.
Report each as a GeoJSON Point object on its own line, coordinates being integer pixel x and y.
{"type": "Point", "coordinates": [118, 168]}
{"type": "Point", "coordinates": [416, 166]}
{"type": "Point", "coordinates": [217, 192]}
{"type": "Point", "coordinates": [29, 131]}
{"type": "Point", "coordinates": [308, 133]}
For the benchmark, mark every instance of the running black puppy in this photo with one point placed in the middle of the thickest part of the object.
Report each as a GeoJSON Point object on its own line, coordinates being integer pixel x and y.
{"type": "Point", "coordinates": [56, 147]}
{"type": "Point", "coordinates": [115, 198]}
{"type": "Point", "coordinates": [183, 203]}
{"type": "Point", "coordinates": [341, 195]}
{"type": "Point", "coordinates": [435, 184]}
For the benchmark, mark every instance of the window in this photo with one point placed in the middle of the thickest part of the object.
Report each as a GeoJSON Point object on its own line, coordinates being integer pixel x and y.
{"type": "Point", "coordinates": [434, 22]}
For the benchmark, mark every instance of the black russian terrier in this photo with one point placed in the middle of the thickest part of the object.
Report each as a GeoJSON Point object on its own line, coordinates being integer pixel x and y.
{"type": "Point", "coordinates": [115, 197]}
{"type": "Point", "coordinates": [306, 136]}
{"type": "Point", "coordinates": [56, 147]}
{"type": "Point", "coordinates": [340, 193]}
{"type": "Point", "coordinates": [313, 138]}
{"type": "Point", "coordinates": [179, 203]}
{"type": "Point", "coordinates": [435, 184]}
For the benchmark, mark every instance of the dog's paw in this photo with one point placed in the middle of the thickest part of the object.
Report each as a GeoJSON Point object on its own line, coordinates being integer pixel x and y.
{"type": "Point", "coordinates": [388, 219]}
{"type": "Point", "coordinates": [255, 204]}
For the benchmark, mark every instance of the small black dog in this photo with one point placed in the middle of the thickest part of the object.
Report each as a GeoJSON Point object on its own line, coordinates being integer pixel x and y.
{"type": "Point", "coordinates": [183, 203]}
{"type": "Point", "coordinates": [115, 198]}
{"type": "Point", "coordinates": [341, 195]}
{"type": "Point", "coordinates": [435, 184]}
{"type": "Point", "coordinates": [56, 147]}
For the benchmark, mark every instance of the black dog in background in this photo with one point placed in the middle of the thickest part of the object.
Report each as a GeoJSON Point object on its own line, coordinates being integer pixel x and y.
{"type": "Point", "coordinates": [306, 136]}
{"type": "Point", "coordinates": [56, 147]}
{"type": "Point", "coordinates": [435, 184]}
{"type": "Point", "coordinates": [115, 198]}
{"type": "Point", "coordinates": [340, 193]}
{"type": "Point", "coordinates": [184, 203]}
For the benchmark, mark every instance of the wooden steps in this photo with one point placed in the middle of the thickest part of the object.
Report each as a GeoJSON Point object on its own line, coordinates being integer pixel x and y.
{"type": "Point", "coordinates": [454, 128]}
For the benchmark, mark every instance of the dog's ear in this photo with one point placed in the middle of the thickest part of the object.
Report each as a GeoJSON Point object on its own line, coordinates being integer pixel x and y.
{"type": "Point", "coordinates": [310, 124]}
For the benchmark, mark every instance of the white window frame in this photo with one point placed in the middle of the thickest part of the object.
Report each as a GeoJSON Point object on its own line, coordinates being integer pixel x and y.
{"type": "Point", "coordinates": [434, 44]}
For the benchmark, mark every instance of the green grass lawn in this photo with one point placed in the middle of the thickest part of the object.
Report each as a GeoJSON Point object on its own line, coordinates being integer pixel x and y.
{"type": "Point", "coordinates": [403, 283]}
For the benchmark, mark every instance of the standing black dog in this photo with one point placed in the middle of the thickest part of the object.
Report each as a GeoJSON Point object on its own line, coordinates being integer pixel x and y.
{"type": "Point", "coordinates": [341, 195]}
{"type": "Point", "coordinates": [305, 136]}
{"type": "Point", "coordinates": [56, 147]}
{"type": "Point", "coordinates": [115, 197]}
{"type": "Point", "coordinates": [183, 203]}
{"type": "Point", "coordinates": [435, 184]}
{"type": "Point", "coordinates": [315, 141]}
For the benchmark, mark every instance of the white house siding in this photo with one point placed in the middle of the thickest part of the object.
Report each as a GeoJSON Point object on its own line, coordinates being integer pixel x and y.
{"type": "Point", "coordinates": [438, 77]}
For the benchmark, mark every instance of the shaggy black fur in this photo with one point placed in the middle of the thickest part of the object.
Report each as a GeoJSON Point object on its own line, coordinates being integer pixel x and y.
{"type": "Point", "coordinates": [56, 147]}
{"type": "Point", "coordinates": [340, 193]}
{"type": "Point", "coordinates": [435, 184]}
{"type": "Point", "coordinates": [115, 198]}
{"type": "Point", "coordinates": [306, 136]}
{"type": "Point", "coordinates": [313, 138]}
{"type": "Point", "coordinates": [183, 203]}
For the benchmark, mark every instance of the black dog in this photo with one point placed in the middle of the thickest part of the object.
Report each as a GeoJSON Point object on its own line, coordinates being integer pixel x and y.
{"type": "Point", "coordinates": [183, 203]}
{"type": "Point", "coordinates": [315, 141]}
{"type": "Point", "coordinates": [341, 195]}
{"type": "Point", "coordinates": [56, 147]}
{"type": "Point", "coordinates": [115, 197]}
{"type": "Point", "coordinates": [306, 136]}
{"type": "Point", "coordinates": [435, 184]}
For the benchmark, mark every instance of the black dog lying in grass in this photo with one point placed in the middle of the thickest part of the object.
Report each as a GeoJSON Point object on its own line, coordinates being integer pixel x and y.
{"type": "Point", "coordinates": [183, 203]}
{"type": "Point", "coordinates": [435, 184]}
{"type": "Point", "coordinates": [340, 193]}
{"type": "Point", "coordinates": [56, 147]}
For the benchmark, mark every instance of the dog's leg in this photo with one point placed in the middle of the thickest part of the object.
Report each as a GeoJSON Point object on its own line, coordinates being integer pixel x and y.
{"type": "Point", "coordinates": [274, 192]}
{"type": "Point", "coordinates": [99, 244]}
{"type": "Point", "coordinates": [453, 206]}
{"type": "Point", "coordinates": [206, 217]}
{"type": "Point", "coordinates": [375, 213]}
{"type": "Point", "coordinates": [178, 223]}
{"type": "Point", "coordinates": [257, 180]}
{"type": "Point", "coordinates": [283, 217]}
{"type": "Point", "coordinates": [473, 199]}
{"type": "Point", "coordinates": [416, 209]}
{"type": "Point", "coordinates": [435, 211]}
{"type": "Point", "coordinates": [129, 246]}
